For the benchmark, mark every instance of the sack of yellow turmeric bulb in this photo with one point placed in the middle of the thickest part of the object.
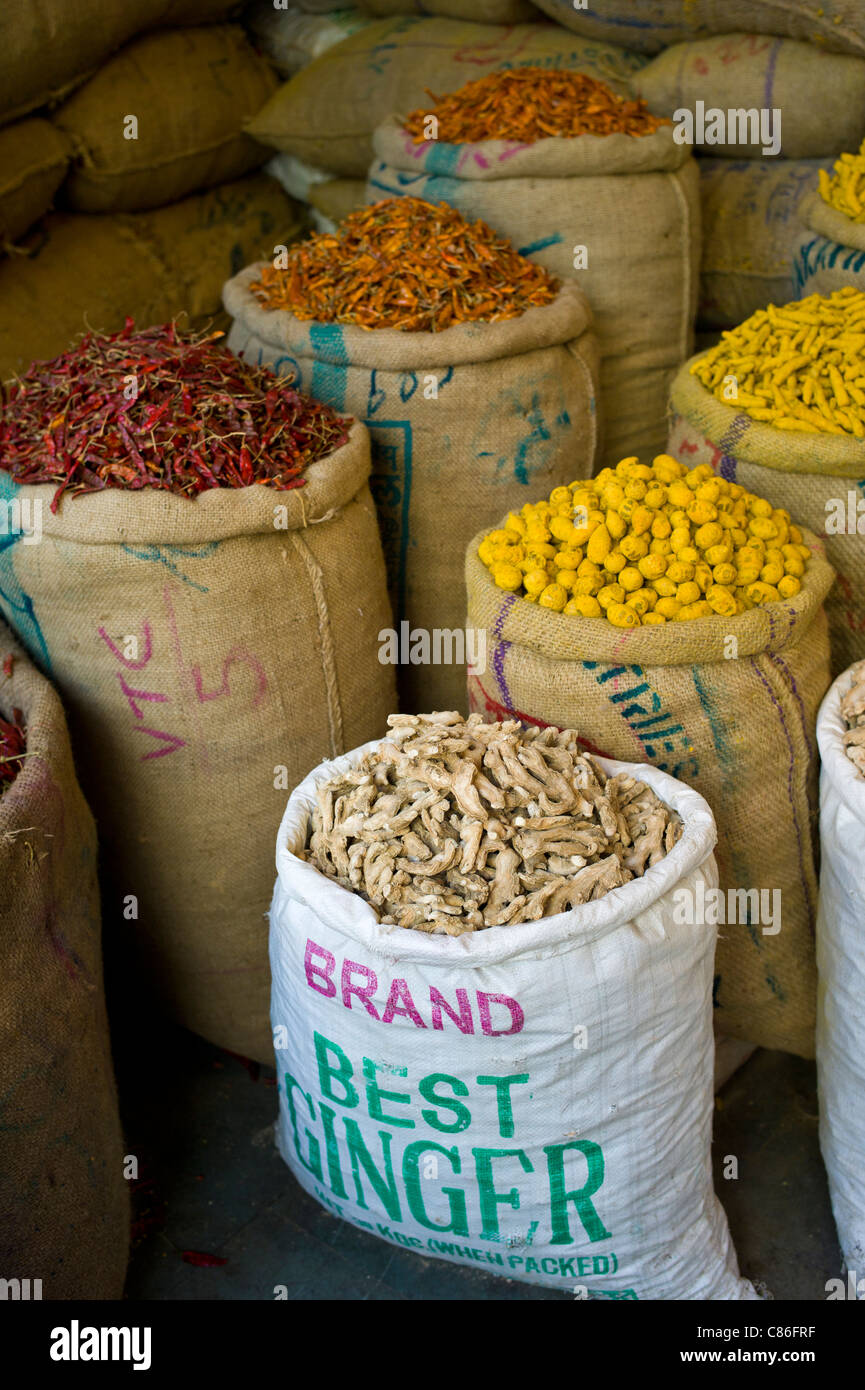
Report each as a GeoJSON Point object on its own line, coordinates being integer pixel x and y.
{"type": "Point", "coordinates": [712, 670]}
{"type": "Point", "coordinates": [833, 257]}
{"type": "Point", "coordinates": [778, 406]}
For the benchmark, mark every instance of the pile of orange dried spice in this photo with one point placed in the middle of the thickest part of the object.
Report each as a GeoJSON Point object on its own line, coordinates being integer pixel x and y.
{"type": "Point", "coordinates": [404, 263]}
{"type": "Point", "coordinates": [530, 104]}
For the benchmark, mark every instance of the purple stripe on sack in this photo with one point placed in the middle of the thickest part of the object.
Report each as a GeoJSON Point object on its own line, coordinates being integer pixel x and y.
{"type": "Point", "coordinates": [502, 648]}
{"type": "Point", "coordinates": [727, 467]}
{"type": "Point", "coordinates": [733, 436]}
{"type": "Point", "coordinates": [794, 691]}
{"type": "Point", "coordinates": [770, 73]}
{"type": "Point", "coordinates": [725, 463]}
{"type": "Point", "coordinates": [790, 770]}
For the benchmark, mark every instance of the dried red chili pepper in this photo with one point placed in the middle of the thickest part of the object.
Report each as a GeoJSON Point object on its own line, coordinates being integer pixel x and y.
{"type": "Point", "coordinates": [203, 1261]}
{"type": "Point", "coordinates": [162, 409]}
{"type": "Point", "coordinates": [13, 748]}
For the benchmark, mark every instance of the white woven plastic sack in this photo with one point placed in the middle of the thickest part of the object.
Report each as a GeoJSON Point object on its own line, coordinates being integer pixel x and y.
{"type": "Point", "coordinates": [841, 966]}
{"type": "Point", "coordinates": [533, 1101]}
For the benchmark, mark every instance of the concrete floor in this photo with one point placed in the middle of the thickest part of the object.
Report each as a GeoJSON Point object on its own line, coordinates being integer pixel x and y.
{"type": "Point", "coordinates": [210, 1182]}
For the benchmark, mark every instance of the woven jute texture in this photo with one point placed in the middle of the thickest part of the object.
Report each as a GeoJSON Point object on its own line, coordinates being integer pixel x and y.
{"type": "Point", "coordinates": [64, 1202]}
{"type": "Point", "coordinates": [210, 653]}
{"type": "Point", "coordinates": [464, 423]}
{"type": "Point", "coordinates": [809, 474]}
{"type": "Point", "coordinates": [736, 720]}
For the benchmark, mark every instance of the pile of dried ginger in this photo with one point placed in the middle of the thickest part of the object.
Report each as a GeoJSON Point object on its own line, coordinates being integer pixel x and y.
{"type": "Point", "coordinates": [455, 825]}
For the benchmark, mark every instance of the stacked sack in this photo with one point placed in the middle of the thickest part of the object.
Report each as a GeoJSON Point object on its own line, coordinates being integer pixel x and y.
{"type": "Point", "coordinates": [590, 185]}
{"type": "Point", "coordinates": [326, 114]}
{"type": "Point", "coordinates": [208, 611]}
{"type": "Point", "coordinates": [147, 162]}
{"type": "Point", "coordinates": [779, 406]}
{"type": "Point", "coordinates": [832, 253]}
{"type": "Point", "coordinates": [473, 368]}
{"type": "Point", "coordinates": [291, 39]}
{"type": "Point", "coordinates": [837, 25]}
{"type": "Point", "coordinates": [64, 1199]}
{"type": "Point", "coordinates": [757, 173]}
{"type": "Point", "coordinates": [678, 618]}
{"type": "Point", "coordinates": [841, 957]}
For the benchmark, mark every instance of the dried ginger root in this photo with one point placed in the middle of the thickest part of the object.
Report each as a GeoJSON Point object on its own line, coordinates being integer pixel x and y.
{"type": "Point", "coordinates": [853, 714]}
{"type": "Point", "coordinates": [459, 825]}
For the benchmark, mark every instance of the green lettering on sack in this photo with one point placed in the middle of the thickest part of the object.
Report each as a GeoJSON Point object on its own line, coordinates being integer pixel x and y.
{"type": "Point", "coordinates": [459, 1225]}
{"type": "Point", "coordinates": [427, 1087]}
{"type": "Point", "coordinates": [313, 1163]}
{"type": "Point", "coordinates": [375, 1095]}
{"type": "Point", "coordinates": [331, 1148]}
{"type": "Point", "coordinates": [384, 1187]}
{"type": "Point", "coordinates": [490, 1198]}
{"type": "Point", "coordinates": [560, 1196]}
{"type": "Point", "coordinates": [503, 1099]}
{"type": "Point", "coordinates": [340, 1073]}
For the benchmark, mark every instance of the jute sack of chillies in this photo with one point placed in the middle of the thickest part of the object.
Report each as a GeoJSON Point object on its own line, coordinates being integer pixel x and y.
{"type": "Point", "coordinates": [630, 200]}
{"type": "Point", "coordinates": [326, 114]}
{"type": "Point", "coordinates": [211, 647]}
{"type": "Point", "coordinates": [64, 1203]}
{"type": "Point", "coordinates": [814, 472]}
{"type": "Point", "coordinates": [735, 719]}
{"type": "Point", "coordinates": [464, 420]}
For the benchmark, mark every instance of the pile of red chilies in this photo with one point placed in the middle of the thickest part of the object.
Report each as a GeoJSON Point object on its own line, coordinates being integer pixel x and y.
{"type": "Point", "coordinates": [162, 409]}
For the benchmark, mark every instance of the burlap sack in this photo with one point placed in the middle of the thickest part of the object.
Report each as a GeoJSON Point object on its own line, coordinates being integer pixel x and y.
{"type": "Point", "coordinates": [210, 653]}
{"type": "Point", "coordinates": [479, 11]}
{"type": "Point", "coordinates": [48, 48]}
{"type": "Point", "coordinates": [752, 234]}
{"type": "Point", "coordinates": [327, 113]}
{"type": "Point", "coordinates": [740, 730]}
{"type": "Point", "coordinates": [513, 414]}
{"type": "Point", "coordinates": [650, 25]}
{"type": "Point", "coordinates": [153, 266]}
{"type": "Point", "coordinates": [806, 473]}
{"type": "Point", "coordinates": [835, 256]}
{"type": "Point", "coordinates": [336, 198]}
{"type": "Point", "coordinates": [189, 92]}
{"type": "Point", "coordinates": [64, 1202]}
{"type": "Point", "coordinates": [821, 96]}
{"type": "Point", "coordinates": [33, 160]}
{"type": "Point", "coordinates": [633, 204]}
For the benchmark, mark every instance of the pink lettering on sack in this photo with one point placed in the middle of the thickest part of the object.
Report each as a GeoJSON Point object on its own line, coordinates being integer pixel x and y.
{"type": "Point", "coordinates": [359, 982]}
